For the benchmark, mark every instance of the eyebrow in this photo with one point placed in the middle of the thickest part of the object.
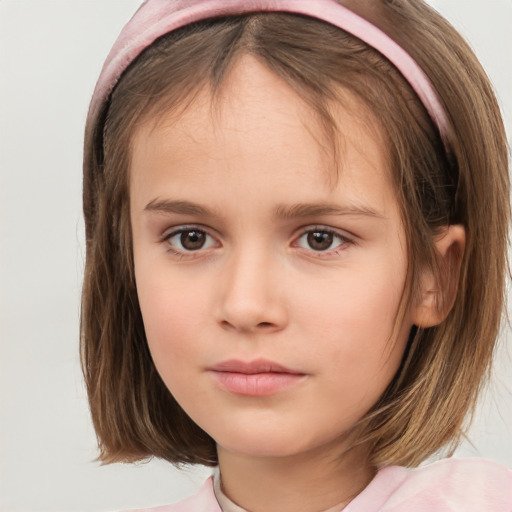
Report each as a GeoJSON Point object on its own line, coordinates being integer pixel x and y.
{"type": "Point", "coordinates": [183, 207]}
{"type": "Point", "coordinates": [299, 210]}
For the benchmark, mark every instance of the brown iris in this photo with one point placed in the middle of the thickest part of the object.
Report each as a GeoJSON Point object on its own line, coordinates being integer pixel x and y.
{"type": "Point", "coordinates": [320, 240]}
{"type": "Point", "coordinates": [192, 240]}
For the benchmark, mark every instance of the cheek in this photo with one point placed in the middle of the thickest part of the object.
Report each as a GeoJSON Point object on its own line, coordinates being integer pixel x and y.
{"type": "Point", "coordinates": [357, 300]}
{"type": "Point", "coordinates": [172, 311]}
{"type": "Point", "coordinates": [351, 319]}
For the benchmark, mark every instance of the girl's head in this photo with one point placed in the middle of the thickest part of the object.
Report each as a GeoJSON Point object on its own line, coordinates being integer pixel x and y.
{"type": "Point", "coordinates": [267, 186]}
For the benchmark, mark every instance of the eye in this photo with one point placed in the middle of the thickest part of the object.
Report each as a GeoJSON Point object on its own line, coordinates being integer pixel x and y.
{"type": "Point", "coordinates": [321, 240]}
{"type": "Point", "coordinates": [189, 240]}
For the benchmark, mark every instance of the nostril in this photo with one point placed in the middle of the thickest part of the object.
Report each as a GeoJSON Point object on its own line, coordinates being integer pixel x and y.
{"type": "Point", "coordinates": [264, 324]}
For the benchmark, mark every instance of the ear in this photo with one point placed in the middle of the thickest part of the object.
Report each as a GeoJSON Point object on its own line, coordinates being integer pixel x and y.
{"type": "Point", "coordinates": [438, 290]}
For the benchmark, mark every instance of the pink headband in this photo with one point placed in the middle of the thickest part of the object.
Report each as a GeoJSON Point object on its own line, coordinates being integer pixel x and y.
{"type": "Point", "coordinates": [158, 17]}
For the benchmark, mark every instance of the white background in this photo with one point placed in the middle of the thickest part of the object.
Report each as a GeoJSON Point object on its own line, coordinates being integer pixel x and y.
{"type": "Point", "coordinates": [51, 52]}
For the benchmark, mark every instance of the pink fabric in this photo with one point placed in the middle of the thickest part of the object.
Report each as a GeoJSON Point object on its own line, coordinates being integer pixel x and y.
{"type": "Point", "coordinates": [203, 501]}
{"type": "Point", "coordinates": [157, 17]}
{"type": "Point", "coordinates": [450, 485]}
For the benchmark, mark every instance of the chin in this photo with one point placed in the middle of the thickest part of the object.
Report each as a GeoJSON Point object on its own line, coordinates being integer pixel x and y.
{"type": "Point", "coordinates": [257, 441]}
{"type": "Point", "coordinates": [264, 442]}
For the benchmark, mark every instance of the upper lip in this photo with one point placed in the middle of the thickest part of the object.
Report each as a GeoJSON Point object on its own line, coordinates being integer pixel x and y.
{"type": "Point", "coordinates": [252, 367]}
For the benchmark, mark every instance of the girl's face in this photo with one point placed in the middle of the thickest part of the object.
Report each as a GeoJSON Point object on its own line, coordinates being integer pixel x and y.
{"type": "Point", "coordinates": [268, 287]}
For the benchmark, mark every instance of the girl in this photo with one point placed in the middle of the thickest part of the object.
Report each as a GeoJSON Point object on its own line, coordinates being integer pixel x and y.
{"type": "Point", "coordinates": [296, 218]}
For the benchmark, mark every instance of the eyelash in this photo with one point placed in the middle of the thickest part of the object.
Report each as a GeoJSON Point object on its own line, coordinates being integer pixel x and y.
{"type": "Point", "coordinates": [343, 239]}
{"type": "Point", "coordinates": [184, 253]}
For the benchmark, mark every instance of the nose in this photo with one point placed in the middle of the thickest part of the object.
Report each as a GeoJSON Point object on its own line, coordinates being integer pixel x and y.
{"type": "Point", "coordinates": [251, 295]}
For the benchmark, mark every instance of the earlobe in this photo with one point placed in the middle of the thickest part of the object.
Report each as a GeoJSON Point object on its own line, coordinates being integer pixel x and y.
{"type": "Point", "coordinates": [438, 286]}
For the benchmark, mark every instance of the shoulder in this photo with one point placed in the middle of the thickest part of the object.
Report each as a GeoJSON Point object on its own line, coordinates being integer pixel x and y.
{"type": "Point", "coordinates": [449, 485]}
{"type": "Point", "coordinates": [203, 501]}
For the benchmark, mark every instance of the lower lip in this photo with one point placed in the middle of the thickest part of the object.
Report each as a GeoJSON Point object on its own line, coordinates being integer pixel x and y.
{"type": "Point", "coordinates": [256, 384]}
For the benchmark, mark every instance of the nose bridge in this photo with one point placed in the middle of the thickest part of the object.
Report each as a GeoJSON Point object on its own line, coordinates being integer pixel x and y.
{"type": "Point", "coordinates": [250, 296]}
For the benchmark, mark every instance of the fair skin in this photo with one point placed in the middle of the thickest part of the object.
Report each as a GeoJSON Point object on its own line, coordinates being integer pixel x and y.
{"type": "Point", "coordinates": [230, 270]}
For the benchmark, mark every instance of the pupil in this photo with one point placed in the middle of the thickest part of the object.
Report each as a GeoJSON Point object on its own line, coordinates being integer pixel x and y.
{"type": "Point", "coordinates": [319, 240]}
{"type": "Point", "coordinates": [192, 240]}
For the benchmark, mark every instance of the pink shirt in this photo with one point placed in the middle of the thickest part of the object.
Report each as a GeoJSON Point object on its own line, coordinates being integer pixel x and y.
{"type": "Point", "coordinates": [449, 485]}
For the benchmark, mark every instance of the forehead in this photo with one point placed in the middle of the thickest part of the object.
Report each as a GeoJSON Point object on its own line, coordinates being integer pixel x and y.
{"type": "Point", "coordinates": [258, 128]}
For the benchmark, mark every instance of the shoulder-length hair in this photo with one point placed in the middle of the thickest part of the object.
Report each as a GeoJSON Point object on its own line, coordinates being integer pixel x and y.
{"type": "Point", "coordinates": [434, 391]}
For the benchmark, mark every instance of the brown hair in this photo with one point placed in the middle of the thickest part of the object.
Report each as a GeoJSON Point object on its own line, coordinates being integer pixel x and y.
{"type": "Point", "coordinates": [443, 369]}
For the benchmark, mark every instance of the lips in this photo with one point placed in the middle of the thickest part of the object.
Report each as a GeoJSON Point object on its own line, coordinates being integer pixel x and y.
{"type": "Point", "coordinates": [260, 377]}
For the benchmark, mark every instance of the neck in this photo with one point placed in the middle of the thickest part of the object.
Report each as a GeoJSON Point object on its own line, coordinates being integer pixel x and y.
{"type": "Point", "coordinates": [310, 482]}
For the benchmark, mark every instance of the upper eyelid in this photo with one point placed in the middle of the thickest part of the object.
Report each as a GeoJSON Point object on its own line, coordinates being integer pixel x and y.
{"type": "Point", "coordinates": [304, 229]}
{"type": "Point", "coordinates": [173, 231]}
{"type": "Point", "coordinates": [336, 231]}
{"type": "Point", "coordinates": [170, 233]}
{"type": "Point", "coordinates": [347, 239]}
